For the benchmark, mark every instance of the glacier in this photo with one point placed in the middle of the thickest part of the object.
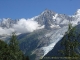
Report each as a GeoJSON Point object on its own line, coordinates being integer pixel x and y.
{"type": "Point", "coordinates": [55, 37]}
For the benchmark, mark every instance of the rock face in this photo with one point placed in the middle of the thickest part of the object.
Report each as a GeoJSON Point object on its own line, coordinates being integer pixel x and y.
{"type": "Point", "coordinates": [39, 42]}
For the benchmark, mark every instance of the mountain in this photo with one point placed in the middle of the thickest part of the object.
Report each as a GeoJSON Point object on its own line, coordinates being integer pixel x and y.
{"type": "Point", "coordinates": [55, 51]}
{"type": "Point", "coordinates": [7, 23]}
{"type": "Point", "coordinates": [38, 35]}
{"type": "Point", "coordinates": [44, 42]}
{"type": "Point", "coordinates": [51, 19]}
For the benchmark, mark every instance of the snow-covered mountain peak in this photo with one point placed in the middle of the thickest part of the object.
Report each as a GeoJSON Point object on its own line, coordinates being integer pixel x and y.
{"type": "Point", "coordinates": [77, 12]}
{"type": "Point", "coordinates": [48, 12]}
{"type": "Point", "coordinates": [7, 22]}
{"type": "Point", "coordinates": [76, 18]}
{"type": "Point", "coordinates": [5, 19]}
{"type": "Point", "coordinates": [52, 19]}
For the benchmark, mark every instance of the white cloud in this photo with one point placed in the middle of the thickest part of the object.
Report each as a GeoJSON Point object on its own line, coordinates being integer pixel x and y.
{"type": "Point", "coordinates": [22, 26]}
{"type": "Point", "coordinates": [6, 31]}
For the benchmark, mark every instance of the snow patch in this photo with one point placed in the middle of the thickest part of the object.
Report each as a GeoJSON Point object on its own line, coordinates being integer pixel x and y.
{"type": "Point", "coordinates": [65, 21]}
{"type": "Point", "coordinates": [55, 16]}
{"type": "Point", "coordinates": [54, 26]}
{"type": "Point", "coordinates": [41, 27]}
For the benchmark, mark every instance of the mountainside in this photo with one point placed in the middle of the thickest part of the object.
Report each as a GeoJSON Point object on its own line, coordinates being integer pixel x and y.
{"type": "Point", "coordinates": [55, 51]}
{"type": "Point", "coordinates": [38, 35]}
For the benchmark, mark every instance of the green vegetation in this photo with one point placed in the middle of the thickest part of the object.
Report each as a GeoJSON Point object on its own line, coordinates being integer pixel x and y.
{"type": "Point", "coordinates": [11, 51]}
{"type": "Point", "coordinates": [4, 51]}
{"type": "Point", "coordinates": [70, 44]}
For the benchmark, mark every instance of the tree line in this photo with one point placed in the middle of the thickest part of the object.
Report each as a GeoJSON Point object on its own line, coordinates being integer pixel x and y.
{"type": "Point", "coordinates": [11, 51]}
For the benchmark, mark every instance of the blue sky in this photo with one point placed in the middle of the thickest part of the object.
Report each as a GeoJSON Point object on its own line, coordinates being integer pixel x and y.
{"type": "Point", "coordinates": [16, 9]}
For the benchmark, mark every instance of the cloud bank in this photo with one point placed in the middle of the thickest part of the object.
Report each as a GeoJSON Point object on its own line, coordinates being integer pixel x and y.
{"type": "Point", "coordinates": [22, 26]}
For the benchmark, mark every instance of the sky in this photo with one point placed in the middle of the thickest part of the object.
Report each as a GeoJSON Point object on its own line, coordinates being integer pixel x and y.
{"type": "Point", "coordinates": [16, 9]}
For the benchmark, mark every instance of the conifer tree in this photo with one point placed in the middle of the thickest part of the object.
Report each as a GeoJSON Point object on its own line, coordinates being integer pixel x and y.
{"type": "Point", "coordinates": [4, 51]}
{"type": "Point", "coordinates": [11, 51]}
{"type": "Point", "coordinates": [70, 43]}
{"type": "Point", "coordinates": [14, 47]}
